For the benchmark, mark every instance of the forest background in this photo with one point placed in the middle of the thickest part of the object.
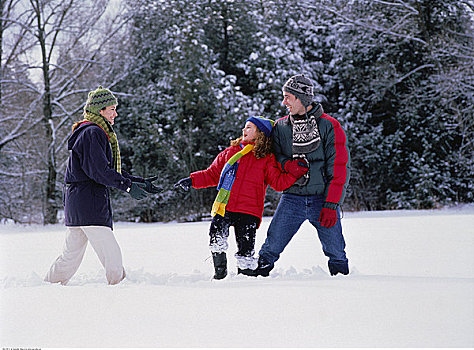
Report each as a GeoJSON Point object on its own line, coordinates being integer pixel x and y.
{"type": "Point", "coordinates": [398, 76]}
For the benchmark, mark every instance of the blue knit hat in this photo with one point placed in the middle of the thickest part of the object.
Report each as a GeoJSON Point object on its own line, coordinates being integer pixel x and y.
{"type": "Point", "coordinates": [263, 124]}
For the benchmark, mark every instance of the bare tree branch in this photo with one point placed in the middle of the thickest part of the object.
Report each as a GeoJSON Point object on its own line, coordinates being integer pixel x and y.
{"type": "Point", "coordinates": [367, 25]}
{"type": "Point", "coordinates": [399, 80]}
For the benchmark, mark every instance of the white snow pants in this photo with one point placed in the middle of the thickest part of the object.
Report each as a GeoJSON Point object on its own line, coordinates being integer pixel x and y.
{"type": "Point", "coordinates": [105, 245]}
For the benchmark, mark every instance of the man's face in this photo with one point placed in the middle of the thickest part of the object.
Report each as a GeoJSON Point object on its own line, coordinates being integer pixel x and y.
{"type": "Point", "coordinates": [109, 113]}
{"type": "Point", "coordinates": [293, 104]}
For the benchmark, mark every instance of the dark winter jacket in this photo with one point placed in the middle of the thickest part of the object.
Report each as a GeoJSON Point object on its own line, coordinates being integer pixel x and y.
{"type": "Point", "coordinates": [251, 181]}
{"type": "Point", "coordinates": [329, 169]}
{"type": "Point", "coordinates": [89, 172]}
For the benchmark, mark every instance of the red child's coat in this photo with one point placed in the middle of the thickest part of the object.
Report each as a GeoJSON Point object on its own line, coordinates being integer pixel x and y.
{"type": "Point", "coordinates": [251, 181]}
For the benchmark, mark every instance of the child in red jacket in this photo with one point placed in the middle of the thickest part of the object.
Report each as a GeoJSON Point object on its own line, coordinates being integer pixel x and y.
{"type": "Point", "coordinates": [242, 173]}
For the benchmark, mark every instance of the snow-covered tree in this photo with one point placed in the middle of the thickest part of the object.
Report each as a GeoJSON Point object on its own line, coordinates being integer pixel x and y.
{"type": "Point", "coordinates": [398, 61]}
{"type": "Point", "coordinates": [397, 74]}
{"type": "Point", "coordinates": [53, 44]}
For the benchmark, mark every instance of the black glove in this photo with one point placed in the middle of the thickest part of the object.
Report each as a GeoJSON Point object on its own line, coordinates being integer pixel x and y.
{"type": "Point", "coordinates": [137, 190]}
{"type": "Point", "coordinates": [150, 188]}
{"type": "Point", "coordinates": [184, 184]}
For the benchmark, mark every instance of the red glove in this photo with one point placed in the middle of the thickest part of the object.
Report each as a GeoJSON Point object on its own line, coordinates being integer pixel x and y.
{"type": "Point", "coordinates": [328, 217]}
{"type": "Point", "coordinates": [296, 167]}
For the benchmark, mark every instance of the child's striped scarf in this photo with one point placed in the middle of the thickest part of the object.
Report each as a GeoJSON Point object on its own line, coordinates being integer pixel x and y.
{"type": "Point", "coordinates": [227, 180]}
{"type": "Point", "coordinates": [107, 127]}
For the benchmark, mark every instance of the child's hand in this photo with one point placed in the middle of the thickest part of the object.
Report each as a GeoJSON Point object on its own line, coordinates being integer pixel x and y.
{"type": "Point", "coordinates": [184, 184]}
{"type": "Point", "coordinates": [296, 167]}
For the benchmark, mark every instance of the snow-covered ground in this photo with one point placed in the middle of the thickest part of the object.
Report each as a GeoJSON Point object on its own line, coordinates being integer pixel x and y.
{"type": "Point", "coordinates": [411, 285]}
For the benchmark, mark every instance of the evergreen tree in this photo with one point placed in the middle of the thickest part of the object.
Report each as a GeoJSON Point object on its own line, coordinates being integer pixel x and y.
{"type": "Point", "coordinates": [183, 106]}
{"type": "Point", "coordinates": [406, 141]}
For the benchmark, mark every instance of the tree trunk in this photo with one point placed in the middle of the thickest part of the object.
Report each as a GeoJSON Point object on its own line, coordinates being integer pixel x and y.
{"type": "Point", "coordinates": [50, 209]}
{"type": "Point", "coordinates": [2, 4]}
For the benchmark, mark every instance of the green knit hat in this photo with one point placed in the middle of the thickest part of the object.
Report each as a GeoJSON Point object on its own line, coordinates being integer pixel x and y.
{"type": "Point", "coordinates": [99, 99]}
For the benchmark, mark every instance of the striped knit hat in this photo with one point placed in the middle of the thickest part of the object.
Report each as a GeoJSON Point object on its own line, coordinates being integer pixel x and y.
{"type": "Point", "coordinates": [301, 87]}
{"type": "Point", "coordinates": [99, 99]}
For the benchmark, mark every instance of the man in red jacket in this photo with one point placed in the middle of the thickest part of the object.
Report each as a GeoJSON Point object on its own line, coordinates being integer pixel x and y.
{"type": "Point", "coordinates": [309, 133]}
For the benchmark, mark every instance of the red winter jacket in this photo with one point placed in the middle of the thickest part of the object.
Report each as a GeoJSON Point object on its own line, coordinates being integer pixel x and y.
{"type": "Point", "coordinates": [251, 181]}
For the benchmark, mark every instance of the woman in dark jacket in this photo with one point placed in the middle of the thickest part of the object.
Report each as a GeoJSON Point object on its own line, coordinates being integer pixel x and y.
{"type": "Point", "coordinates": [94, 165]}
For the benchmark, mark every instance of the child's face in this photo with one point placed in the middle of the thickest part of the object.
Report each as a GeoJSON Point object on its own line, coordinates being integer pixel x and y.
{"type": "Point", "coordinates": [249, 132]}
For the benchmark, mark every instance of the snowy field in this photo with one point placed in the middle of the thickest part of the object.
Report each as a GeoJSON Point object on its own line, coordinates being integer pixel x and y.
{"type": "Point", "coordinates": [411, 285]}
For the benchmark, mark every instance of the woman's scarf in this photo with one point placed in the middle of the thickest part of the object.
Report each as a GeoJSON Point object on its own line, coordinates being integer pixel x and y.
{"type": "Point", "coordinates": [107, 127]}
{"type": "Point", "coordinates": [227, 180]}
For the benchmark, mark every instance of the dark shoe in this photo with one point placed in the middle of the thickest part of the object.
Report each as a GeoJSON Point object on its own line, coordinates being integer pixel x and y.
{"type": "Point", "coordinates": [264, 272]}
{"type": "Point", "coordinates": [247, 272]}
{"type": "Point", "coordinates": [264, 267]}
{"type": "Point", "coordinates": [335, 268]}
{"type": "Point", "coordinates": [220, 265]}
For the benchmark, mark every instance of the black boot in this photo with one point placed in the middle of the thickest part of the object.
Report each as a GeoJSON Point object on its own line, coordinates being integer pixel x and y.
{"type": "Point", "coordinates": [264, 267]}
{"type": "Point", "coordinates": [338, 267]}
{"type": "Point", "coordinates": [220, 265]}
{"type": "Point", "coordinates": [247, 272]}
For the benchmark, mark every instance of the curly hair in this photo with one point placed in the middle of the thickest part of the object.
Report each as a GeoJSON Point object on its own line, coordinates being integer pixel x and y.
{"type": "Point", "coordinates": [263, 145]}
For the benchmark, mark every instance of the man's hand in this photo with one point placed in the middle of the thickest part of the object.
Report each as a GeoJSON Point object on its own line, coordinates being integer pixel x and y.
{"type": "Point", "coordinates": [328, 217]}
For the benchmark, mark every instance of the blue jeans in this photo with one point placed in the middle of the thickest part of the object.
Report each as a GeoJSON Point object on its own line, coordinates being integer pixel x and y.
{"type": "Point", "coordinates": [292, 211]}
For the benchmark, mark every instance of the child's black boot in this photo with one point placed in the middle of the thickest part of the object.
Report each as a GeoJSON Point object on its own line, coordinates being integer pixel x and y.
{"type": "Point", "coordinates": [220, 265]}
{"type": "Point", "coordinates": [247, 272]}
